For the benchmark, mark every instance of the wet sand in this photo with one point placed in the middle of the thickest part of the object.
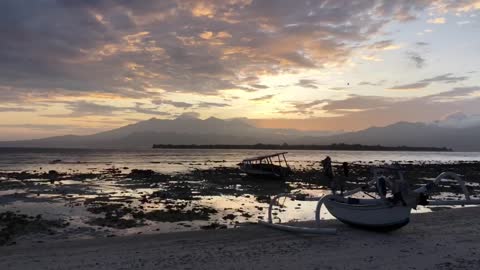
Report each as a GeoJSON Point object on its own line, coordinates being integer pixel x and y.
{"type": "Point", "coordinates": [447, 239]}
{"type": "Point", "coordinates": [48, 206]}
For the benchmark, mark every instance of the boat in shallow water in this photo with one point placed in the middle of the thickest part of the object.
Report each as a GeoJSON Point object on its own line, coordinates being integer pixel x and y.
{"type": "Point", "coordinates": [273, 166]}
{"type": "Point", "coordinates": [380, 213]}
{"type": "Point", "coordinates": [369, 213]}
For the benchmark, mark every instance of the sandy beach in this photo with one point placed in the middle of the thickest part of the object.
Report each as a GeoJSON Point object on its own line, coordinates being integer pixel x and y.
{"type": "Point", "coordinates": [447, 239]}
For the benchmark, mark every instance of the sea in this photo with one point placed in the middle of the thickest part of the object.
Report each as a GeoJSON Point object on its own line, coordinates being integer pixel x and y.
{"type": "Point", "coordinates": [182, 160]}
{"type": "Point", "coordinates": [75, 200]}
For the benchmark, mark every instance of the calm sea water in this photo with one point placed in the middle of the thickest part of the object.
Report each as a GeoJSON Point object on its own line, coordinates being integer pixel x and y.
{"type": "Point", "coordinates": [66, 199]}
{"type": "Point", "coordinates": [181, 160]}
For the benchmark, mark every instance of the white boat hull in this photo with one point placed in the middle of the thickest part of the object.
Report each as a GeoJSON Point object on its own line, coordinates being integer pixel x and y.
{"type": "Point", "coordinates": [369, 214]}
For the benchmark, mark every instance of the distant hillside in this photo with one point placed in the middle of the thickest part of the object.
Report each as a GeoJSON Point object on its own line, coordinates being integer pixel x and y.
{"type": "Point", "coordinates": [187, 131]}
{"type": "Point", "coordinates": [414, 135]}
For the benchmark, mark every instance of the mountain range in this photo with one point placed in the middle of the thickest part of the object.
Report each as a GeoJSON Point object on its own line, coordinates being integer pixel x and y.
{"type": "Point", "coordinates": [144, 134]}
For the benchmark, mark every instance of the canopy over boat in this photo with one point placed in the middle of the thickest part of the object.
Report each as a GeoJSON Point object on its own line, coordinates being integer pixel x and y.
{"type": "Point", "coordinates": [265, 156]}
{"type": "Point", "coordinates": [273, 165]}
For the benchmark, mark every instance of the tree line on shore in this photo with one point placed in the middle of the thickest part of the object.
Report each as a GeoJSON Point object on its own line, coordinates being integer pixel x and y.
{"type": "Point", "coordinates": [335, 146]}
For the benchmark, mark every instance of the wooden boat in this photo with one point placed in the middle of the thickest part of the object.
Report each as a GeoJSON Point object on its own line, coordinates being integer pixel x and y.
{"type": "Point", "coordinates": [382, 214]}
{"type": "Point", "coordinates": [370, 214]}
{"type": "Point", "coordinates": [273, 165]}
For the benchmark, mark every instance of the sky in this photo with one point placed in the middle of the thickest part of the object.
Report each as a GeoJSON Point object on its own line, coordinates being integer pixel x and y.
{"type": "Point", "coordinates": [80, 67]}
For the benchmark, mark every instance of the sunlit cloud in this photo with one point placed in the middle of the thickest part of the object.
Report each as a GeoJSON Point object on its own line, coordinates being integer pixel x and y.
{"type": "Point", "coordinates": [439, 20]}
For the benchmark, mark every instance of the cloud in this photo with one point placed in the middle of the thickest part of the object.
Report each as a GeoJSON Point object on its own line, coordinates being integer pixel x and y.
{"type": "Point", "coordinates": [418, 60]}
{"type": "Point", "coordinates": [211, 104]}
{"type": "Point", "coordinates": [189, 115]}
{"type": "Point", "coordinates": [178, 104]}
{"type": "Point", "coordinates": [421, 43]}
{"type": "Point", "coordinates": [85, 108]}
{"type": "Point", "coordinates": [307, 83]}
{"type": "Point", "coordinates": [372, 83]}
{"type": "Point", "coordinates": [150, 111]}
{"type": "Point", "coordinates": [259, 86]}
{"type": "Point", "coordinates": [456, 93]}
{"type": "Point", "coordinates": [263, 98]}
{"type": "Point", "coordinates": [357, 103]}
{"type": "Point", "coordinates": [383, 45]}
{"type": "Point", "coordinates": [303, 107]}
{"type": "Point", "coordinates": [459, 119]}
{"type": "Point", "coordinates": [410, 86]}
{"type": "Point", "coordinates": [133, 48]}
{"type": "Point", "coordinates": [36, 126]}
{"type": "Point", "coordinates": [439, 20]}
{"type": "Point", "coordinates": [16, 109]}
{"type": "Point", "coordinates": [359, 112]}
{"type": "Point", "coordinates": [338, 88]}
{"type": "Point", "coordinates": [446, 78]}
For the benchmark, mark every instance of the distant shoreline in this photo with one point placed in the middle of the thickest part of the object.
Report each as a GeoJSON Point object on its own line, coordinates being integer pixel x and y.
{"type": "Point", "coordinates": [334, 147]}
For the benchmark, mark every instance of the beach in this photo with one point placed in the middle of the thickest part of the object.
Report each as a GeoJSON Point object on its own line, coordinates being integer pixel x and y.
{"type": "Point", "coordinates": [142, 210]}
{"type": "Point", "coordinates": [446, 239]}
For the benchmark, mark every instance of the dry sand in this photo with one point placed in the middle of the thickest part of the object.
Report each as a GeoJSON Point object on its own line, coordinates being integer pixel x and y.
{"type": "Point", "coordinates": [448, 239]}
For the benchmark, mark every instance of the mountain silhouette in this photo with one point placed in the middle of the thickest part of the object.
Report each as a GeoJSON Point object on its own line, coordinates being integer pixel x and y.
{"type": "Point", "coordinates": [212, 130]}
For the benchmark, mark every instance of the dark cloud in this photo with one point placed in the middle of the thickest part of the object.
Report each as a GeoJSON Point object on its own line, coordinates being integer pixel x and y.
{"type": "Point", "coordinates": [308, 83]}
{"type": "Point", "coordinates": [446, 78]}
{"type": "Point", "coordinates": [259, 86]}
{"type": "Point", "coordinates": [381, 45]}
{"type": "Point", "coordinates": [16, 109]}
{"type": "Point", "coordinates": [211, 104]}
{"type": "Point", "coordinates": [302, 107]}
{"type": "Point", "coordinates": [421, 43]}
{"type": "Point", "coordinates": [457, 92]}
{"type": "Point", "coordinates": [417, 60]}
{"type": "Point", "coordinates": [357, 103]}
{"type": "Point", "coordinates": [36, 126]}
{"type": "Point", "coordinates": [338, 88]}
{"type": "Point", "coordinates": [410, 86]}
{"type": "Point", "coordinates": [178, 104]}
{"type": "Point", "coordinates": [377, 103]}
{"type": "Point", "coordinates": [263, 98]}
{"type": "Point", "coordinates": [84, 108]}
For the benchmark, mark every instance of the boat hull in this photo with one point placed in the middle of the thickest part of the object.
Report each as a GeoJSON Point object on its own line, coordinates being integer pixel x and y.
{"type": "Point", "coordinates": [370, 214]}
{"type": "Point", "coordinates": [269, 171]}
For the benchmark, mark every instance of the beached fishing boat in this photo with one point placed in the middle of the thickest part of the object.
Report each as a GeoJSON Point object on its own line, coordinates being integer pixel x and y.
{"type": "Point", "coordinates": [383, 213]}
{"type": "Point", "coordinates": [273, 165]}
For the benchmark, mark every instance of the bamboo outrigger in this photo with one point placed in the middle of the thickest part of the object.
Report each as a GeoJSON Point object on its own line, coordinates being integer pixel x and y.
{"type": "Point", "coordinates": [383, 213]}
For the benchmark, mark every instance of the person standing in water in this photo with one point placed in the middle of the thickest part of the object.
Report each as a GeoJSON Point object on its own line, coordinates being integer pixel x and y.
{"type": "Point", "coordinates": [327, 167]}
{"type": "Point", "coordinates": [328, 172]}
{"type": "Point", "coordinates": [346, 170]}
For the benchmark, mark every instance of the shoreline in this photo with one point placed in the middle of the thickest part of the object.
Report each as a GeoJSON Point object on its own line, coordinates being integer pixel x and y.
{"type": "Point", "coordinates": [446, 239]}
{"type": "Point", "coordinates": [119, 201]}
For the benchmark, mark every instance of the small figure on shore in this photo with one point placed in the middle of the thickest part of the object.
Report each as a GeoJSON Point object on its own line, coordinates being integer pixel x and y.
{"type": "Point", "coordinates": [328, 172]}
{"type": "Point", "coordinates": [327, 167]}
{"type": "Point", "coordinates": [346, 170]}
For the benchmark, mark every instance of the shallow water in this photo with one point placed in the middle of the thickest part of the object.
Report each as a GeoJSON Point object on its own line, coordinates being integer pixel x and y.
{"type": "Point", "coordinates": [181, 160]}
{"type": "Point", "coordinates": [235, 203]}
